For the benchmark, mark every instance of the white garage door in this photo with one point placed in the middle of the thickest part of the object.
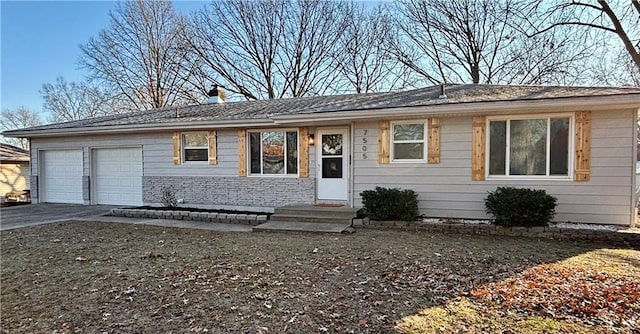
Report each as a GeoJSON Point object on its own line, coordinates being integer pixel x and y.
{"type": "Point", "coordinates": [117, 174]}
{"type": "Point", "coordinates": [62, 176]}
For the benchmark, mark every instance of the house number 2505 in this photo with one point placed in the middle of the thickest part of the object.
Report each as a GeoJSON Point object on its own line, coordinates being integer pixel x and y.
{"type": "Point", "coordinates": [364, 145]}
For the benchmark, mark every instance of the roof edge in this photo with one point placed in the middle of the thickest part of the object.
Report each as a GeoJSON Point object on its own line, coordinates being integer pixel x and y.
{"type": "Point", "coordinates": [153, 127]}
{"type": "Point", "coordinates": [467, 108]}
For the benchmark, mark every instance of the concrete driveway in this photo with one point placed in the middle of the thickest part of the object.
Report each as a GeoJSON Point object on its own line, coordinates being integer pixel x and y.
{"type": "Point", "coordinates": [36, 214]}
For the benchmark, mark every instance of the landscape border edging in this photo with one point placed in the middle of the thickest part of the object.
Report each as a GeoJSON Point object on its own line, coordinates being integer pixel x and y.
{"type": "Point", "coordinates": [556, 233]}
{"type": "Point", "coordinates": [212, 217]}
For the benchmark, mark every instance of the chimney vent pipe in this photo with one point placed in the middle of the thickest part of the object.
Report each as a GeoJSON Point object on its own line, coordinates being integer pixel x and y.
{"type": "Point", "coordinates": [217, 94]}
{"type": "Point", "coordinates": [443, 93]}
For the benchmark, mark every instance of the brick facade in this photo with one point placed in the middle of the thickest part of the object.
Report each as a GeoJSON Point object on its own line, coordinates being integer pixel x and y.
{"type": "Point", "coordinates": [231, 191]}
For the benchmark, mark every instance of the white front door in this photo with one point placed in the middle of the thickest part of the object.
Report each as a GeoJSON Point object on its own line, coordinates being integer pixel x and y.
{"type": "Point", "coordinates": [332, 147]}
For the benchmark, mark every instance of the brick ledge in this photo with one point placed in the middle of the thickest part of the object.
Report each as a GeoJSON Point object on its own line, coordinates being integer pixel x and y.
{"type": "Point", "coordinates": [213, 217]}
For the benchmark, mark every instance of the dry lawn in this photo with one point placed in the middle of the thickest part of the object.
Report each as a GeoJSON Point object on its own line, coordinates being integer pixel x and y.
{"type": "Point", "coordinates": [116, 278]}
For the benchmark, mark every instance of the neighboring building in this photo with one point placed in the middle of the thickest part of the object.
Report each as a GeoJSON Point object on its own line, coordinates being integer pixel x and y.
{"type": "Point", "coordinates": [450, 144]}
{"type": "Point", "coordinates": [14, 172]}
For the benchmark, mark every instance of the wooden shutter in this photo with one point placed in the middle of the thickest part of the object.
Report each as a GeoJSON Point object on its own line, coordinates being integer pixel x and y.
{"type": "Point", "coordinates": [213, 148]}
{"type": "Point", "coordinates": [242, 152]}
{"type": "Point", "coordinates": [478, 148]}
{"type": "Point", "coordinates": [303, 152]}
{"type": "Point", "coordinates": [583, 146]}
{"type": "Point", "coordinates": [383, 142]}
{"type": "Point", "coordinates": [433, 149]}
{"type": "Point", "coordinates": [176, 148]}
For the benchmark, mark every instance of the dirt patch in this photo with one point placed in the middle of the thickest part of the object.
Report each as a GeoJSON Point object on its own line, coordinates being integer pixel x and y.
{"type": "Point", "coordinates": [108, 277]}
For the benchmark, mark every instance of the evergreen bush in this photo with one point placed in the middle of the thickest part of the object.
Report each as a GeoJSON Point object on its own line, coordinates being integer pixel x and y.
{"type": "Point", "coordinates": [390, 204]}
{"type": "Point", "coordinates": [520, 206]}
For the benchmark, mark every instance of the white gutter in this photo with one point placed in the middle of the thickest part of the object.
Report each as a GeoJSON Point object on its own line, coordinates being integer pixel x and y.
{"type": "Point", "coordinates": [114, 129]}
{"type": "Point", "coordinates": [466, 108]}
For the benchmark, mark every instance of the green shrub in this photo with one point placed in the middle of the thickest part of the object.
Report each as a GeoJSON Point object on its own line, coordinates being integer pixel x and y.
{"type": "Point", "coordinates": [390, 204]}
{"type": "Point", "coordinates": [520, 207]}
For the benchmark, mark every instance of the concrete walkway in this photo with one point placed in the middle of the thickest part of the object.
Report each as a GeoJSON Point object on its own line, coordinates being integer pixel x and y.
{"type": "Point", "coordinates": [281, 226]}
{"type": "Point", "coordinates": [39, 214]}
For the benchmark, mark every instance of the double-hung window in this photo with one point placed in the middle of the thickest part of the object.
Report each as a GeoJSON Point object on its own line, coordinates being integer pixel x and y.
{"type": "Point", "coordinates": [273, 152]}
{"type": "Point", "coordinates": [408, 141]}
{"type": "Point", "coordinates": [538, 146]}
{"type": "Point", "coordinates": [195, 146]}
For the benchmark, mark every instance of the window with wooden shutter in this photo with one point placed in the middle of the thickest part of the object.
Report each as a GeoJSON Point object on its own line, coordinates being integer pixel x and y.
{"type": "Point", "coordinates": [583, 146]}
{"type": "Point", "coordinates": [176, 148]}
{"type": "Point", "coordinates": [433, 149]}
{"type": "Point", "coordinates": [478, 148]}
{"type": "Point", "coordinates": [383, 142]}
{"type": "Point", "coordinates": [195, 147]}
{"type": "Point", "coordinates": [303, 151]}
{"type": "Point", "coordinates": [213, 147]}
{"type": "Point", "coordinates": [534, 146]}
{"type": "Point", "coordinates": [242, 152]}
{"type": "Point", "coordinates": [273, 152]}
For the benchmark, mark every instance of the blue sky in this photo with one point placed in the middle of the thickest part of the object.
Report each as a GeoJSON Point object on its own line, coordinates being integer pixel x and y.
{"type": "Point", "coordinates": [41, 39]}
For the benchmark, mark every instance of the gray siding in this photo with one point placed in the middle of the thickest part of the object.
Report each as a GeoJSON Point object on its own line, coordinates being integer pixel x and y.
{"type": "Point", "coordinates": [157, 160]}
{"type": "Point", "coordinates": [446, 189]}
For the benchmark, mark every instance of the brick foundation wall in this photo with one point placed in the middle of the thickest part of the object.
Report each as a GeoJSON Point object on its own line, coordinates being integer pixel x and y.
{"type": "Point", "coordinates": [231, 191]}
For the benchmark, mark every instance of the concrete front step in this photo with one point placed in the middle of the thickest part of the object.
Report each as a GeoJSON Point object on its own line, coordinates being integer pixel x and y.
{"type": "Point", "coordinates": [301, 227]}
{"type": "Point", "coordinates": [317, 218]}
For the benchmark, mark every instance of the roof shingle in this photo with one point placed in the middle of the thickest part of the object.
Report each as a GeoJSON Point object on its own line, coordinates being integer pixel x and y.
{"type": "Point", "coordinates": [265, 109]}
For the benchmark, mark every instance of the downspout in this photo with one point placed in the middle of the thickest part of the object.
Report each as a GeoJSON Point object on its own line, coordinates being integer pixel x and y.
{"type": "Point", "coordinates": [634, 177]}
{"type": "Point", "coordinates": [352, 160]}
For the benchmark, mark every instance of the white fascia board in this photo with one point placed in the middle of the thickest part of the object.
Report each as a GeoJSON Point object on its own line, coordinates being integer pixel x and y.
{"type": "Point", "coordinates": [115, 129]}
{"type": "Point", "coordinates": [472, 108]}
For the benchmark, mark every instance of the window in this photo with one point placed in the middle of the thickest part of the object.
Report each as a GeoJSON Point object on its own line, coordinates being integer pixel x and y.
{"type": "Point", "coordinates": [195, 146]}
{"type": "Point", "coordinates": [530, 146]}
{"type": "Point", "coordinates": [408, 141]}
{"type": "Point", "coordinates": [273, 152]}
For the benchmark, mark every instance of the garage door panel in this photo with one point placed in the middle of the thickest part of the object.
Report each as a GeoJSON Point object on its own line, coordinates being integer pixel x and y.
{"type": "Point", "coordinates": [118, 176]}
{"type": "Point", "coordinates": [62, 171]}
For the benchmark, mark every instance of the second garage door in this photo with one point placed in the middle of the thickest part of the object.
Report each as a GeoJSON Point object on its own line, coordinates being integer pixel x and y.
{"type": "Point", "coordinates": [117, 174]}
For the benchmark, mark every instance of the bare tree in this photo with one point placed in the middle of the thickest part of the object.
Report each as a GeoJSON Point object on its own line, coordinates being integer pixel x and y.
{"type": "Point", "coordinates": [614, 68]}
{"type": "Point", "coordinates": [621, 19]}
{"type": "Point", "coordinates": [365, 63]}
{"type": "Point", "coordinates": [557, 58]}
{"type": "Point", "coordinates": [476, 41]}
{"type": "Point", "coordinates": [19, 118]}
{"type": "Point", "coordinates": [143, 55]}
{"type": "Point", "coordinates": [269, 49]}
{"type": "Point", "coordinates": [309, 56]}
{"type": "Point", "coordinates": [70, 101]}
